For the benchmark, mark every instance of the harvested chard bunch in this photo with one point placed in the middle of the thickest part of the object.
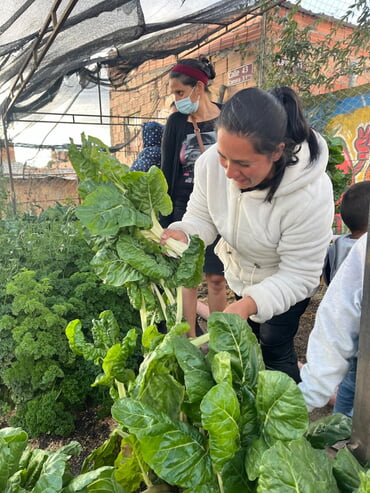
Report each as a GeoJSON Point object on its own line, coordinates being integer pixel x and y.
{"type": "Point", "coordinates": [120, 209]}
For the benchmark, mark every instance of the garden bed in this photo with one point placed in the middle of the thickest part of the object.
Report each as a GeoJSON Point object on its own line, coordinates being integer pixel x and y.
{"type": "Point", "coordinates": [91, 430]}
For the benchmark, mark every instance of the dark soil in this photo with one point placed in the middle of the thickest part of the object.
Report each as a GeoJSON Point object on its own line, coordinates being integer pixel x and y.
{"type": "Point", "coordinates": [91, 431]}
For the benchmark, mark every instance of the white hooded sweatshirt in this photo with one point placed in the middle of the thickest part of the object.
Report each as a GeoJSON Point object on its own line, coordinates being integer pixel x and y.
{"type": "Point", "coordinates": [272, 251]}
{"type": "Point", "coordinates": [334, 338]}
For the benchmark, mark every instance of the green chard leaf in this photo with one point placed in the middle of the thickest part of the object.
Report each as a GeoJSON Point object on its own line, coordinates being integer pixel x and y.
{"type": "Point", "coordinates": [168, 401]}
{"type": "Point", "coordinates": [221, 368]}
{"type": "Point", "coordinates": [163, 354]}
{"type": "Point", "coordinates": [296, 466]}
{"type": "Point", "coordinates": [253, 458]}
{"type": "Point", "coordinates": [78, 344]}
{"type": "Point", "coordinates": [189, 272]}
{"type": "Point", "coordinates": [197, 374]}
{"type": "Point", "coordinates": [13, 442]}
{"type": "Point", "coordinates": [106, 210]}
{"type": "Point", "coordinates": [347, 471]}
{"type": "Point", "coordinates": [249, 424]}
{"type": "Point", "coordinates": [220, 415]}
{"type": "Point", "coordinates": [86, 481]}
{"type": "Point", "coordinates": [280, 406]}
{"type": "Point", "coordinates": [364, 482]}
{"type": "Point", "coordinates": [104, 455]}
{"type": "Point", "coordinates": [113, 270]}
{"type": "Point", "coordinates": [329, 430]}
{"type": "Point", "coordinates": [130, 465]}
{"type": "Point", "coordinates": [151, 337]}
{"type": "Point", "coordinates": [234, 476]}
{"type": "Point", "coordinates": [114, 362]}
{"type": "Point", "coordinates": [148, 191]}
{"type": "Point", "coordinates": [93, 161]}
{"type": "Point", "coordinates": [229, 332]}
{"type": "Point", "coordinates": [176, 451]}
{"type": "Point", "coordinates": [153, 266]}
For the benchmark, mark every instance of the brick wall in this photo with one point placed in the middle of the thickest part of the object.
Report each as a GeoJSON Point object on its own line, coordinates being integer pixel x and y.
{"type": "Point", "coordinates": [35, 193]}
{"type": "Point", "coordinates": [236, 46]}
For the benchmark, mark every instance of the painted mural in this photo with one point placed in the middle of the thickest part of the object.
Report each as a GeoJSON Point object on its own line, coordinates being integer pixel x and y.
{"type": "Point", "coordinates": [351, 123]}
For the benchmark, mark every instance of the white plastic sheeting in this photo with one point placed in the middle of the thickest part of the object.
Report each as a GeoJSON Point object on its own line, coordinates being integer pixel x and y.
{"type": "Point", "coordinates": [99, 31]}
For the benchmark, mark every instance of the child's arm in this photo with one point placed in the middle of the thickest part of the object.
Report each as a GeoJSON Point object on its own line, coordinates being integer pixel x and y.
{"type": "Point", "coordinates": [334, 338]}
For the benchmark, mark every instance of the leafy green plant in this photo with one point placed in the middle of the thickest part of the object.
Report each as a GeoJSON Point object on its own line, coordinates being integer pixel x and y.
{"type": "Point", "coordinates": [25, 469]}
{"type": "Point", "coordinates": [215, 423]}
{"type": "Point", "coordinates": [39, 377]}
{"type": "Point", "coordinates": [339, 179]}
{"type": "Point", "coordinates": [40, 372]}
{"type": "Point", "coordinates": [120, 210]}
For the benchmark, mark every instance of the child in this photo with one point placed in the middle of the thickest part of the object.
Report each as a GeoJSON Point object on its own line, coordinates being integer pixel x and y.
{"type": "Point", "coordinates": [152, 133]}
{"type": "Point", "coordinates": [333, 342]}
{"type": "Point", "coordinates": [354, 211]}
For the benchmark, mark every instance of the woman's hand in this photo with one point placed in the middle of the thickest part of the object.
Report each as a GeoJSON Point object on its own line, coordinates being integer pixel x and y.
{"type": "Point", "coordinates": [245, 307]}
{"type": "Point", "coordinates": [175, 234]}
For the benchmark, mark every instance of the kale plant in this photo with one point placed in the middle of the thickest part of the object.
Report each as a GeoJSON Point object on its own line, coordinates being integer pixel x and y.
{"type": "Point", "coordinates": [46, 281]}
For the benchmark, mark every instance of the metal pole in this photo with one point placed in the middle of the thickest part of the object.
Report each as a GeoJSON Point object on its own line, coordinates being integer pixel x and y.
{"type": "Point", "coordinates": [360, 439]}
{"type": "Point", "coordinates": [99, 94]}
{"type": "Point", "coordinates": [12, 190]}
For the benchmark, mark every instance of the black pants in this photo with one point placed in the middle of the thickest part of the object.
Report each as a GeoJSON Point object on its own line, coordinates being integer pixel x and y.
{"type": "Point", "coordinates": [276, 337]}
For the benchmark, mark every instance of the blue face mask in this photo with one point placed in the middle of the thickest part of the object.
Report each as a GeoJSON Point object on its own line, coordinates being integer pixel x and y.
{"type": "Point", "coordinates": [186, 106]}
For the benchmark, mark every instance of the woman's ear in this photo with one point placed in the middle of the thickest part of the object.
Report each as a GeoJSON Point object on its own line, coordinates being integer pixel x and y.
{"type": "Point", "coordinates": [276, 155]}
{"type": "Point", "coordinates": [199, 88]}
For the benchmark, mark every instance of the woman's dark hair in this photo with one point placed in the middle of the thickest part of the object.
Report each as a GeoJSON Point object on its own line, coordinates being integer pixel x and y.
{"type": "Point", "coordinates": [298, 129]}
{"type": "Point", "coordinates": [355, 205]}
{"type": "Point", "coordinates": [201, 63]}
{"type": "Point", "coordinates": [264, 118]}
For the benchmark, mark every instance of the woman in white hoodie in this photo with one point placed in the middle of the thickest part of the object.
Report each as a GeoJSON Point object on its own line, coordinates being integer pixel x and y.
{"type": "Point", "coordinates": [264, 189]}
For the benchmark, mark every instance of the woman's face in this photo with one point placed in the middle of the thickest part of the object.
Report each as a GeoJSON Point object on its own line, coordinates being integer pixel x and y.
{"type": "Point", "coordinates": [241, 162]}
{"type": "Point", "coordinates": [181, 91]}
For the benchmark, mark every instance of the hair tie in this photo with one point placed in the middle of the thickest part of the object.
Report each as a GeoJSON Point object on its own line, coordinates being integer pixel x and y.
{"type": "Point", "coordinates": [191, 72]}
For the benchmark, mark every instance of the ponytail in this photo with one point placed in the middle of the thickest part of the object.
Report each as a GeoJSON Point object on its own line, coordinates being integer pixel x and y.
{"type": "Point", "coordinates": [298, 129]}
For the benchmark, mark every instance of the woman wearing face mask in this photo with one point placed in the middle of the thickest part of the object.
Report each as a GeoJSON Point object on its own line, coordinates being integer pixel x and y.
{"type": "Point", "coordinates": [181, 146]}
{"type": "Point", "coordinates": [264, 189]}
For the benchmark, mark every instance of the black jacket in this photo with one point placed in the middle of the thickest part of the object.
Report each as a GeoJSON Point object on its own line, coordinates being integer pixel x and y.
{"type": "Point", "coordinates": [173, 137]}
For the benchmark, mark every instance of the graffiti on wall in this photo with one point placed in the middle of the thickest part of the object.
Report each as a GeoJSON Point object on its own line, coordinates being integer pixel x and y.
{"type": "Point", "coordinates": [351, 124]}
{"type": "Point", "coordinates": [353, 128]}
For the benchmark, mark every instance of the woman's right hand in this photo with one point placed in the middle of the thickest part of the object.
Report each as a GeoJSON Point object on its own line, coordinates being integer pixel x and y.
{"type": "Point", "coordinates": [175, 234]}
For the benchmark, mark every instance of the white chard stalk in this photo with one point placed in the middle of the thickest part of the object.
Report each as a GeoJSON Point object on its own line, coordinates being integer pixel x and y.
{"type": "Point", "coordinates": [174, 248]}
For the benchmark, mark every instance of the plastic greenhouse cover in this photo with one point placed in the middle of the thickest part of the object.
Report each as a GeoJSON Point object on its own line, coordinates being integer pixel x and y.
{"type": "Point", "coordinates": [109, 32]}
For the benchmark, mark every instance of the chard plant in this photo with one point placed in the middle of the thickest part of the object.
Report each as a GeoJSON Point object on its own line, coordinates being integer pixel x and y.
{"type": "Point", "coordinates": [215, 423]}
{"type": "Point", "coordinates": [23, 468]}
{"type": "Point", "coordinates": [120, 210]}
{"type": "Point", "coordinates": [188, 421]}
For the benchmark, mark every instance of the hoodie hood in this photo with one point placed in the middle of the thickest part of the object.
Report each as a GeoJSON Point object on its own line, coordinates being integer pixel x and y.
{"type": "Point", "coordinates": [303, 172]}
{"type": "Point", "coordinates": [152, 134]}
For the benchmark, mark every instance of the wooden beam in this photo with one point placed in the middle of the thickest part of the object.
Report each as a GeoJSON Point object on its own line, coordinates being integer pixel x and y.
{"type": "Point", "coordinates": [360, 439]}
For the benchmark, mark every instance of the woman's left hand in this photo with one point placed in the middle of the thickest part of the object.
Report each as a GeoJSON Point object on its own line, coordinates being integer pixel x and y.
{"type": "Point", "coordinates": [245, 307]}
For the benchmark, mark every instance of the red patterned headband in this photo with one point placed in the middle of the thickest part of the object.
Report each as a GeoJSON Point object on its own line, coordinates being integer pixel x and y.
{"type": "Point", "coordinates": [191, 72]}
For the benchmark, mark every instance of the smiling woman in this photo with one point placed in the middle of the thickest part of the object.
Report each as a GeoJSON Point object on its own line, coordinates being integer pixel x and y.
{"type": "Point", "coordinates": [264, 189]}
{"type": "Point", "coordinates": [242, 163]}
